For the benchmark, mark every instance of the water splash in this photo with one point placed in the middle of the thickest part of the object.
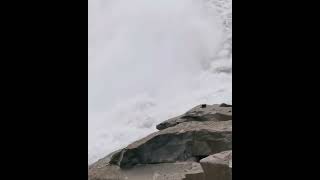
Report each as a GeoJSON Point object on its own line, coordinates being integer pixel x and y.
{"type": "Point", "coordinates": [151, 60]}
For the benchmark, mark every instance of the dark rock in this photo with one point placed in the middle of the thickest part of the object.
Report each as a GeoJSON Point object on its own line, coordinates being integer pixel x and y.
{"type": "Point", "coordinates": [225, 105]}
{"type": "Point", "coordinates": [216, 112]}
{"type": "Point", "coordinates": [183, 142]}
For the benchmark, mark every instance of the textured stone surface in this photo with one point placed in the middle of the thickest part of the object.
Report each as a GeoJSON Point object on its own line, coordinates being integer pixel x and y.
{"type": "Point", "coordinates": [186, 141]}
{"type": "Point", "coordinates": [164, 171]}
{"type": "Point", "coordinates": [218, 166]}
{"type": "Point", "coordinates": [195, 175]}
{"type": "Point", "coordinates": [204, 135]}
{"type": "Point", "coordinates": [216, 112]}
{"type": "Point", "coordinates": [108, 172]}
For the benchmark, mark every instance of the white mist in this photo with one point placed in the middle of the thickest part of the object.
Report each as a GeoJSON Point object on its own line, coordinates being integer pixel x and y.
{"type": "Point", "coordinates": [149, 60]}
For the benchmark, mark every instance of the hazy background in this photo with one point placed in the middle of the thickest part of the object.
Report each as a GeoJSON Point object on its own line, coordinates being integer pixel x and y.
{"type": "Point", "coordinates": [150, 60]}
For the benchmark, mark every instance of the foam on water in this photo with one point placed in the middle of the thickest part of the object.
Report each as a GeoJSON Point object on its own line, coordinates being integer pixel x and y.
{"type": "Point", "coordinates": [150, 60]}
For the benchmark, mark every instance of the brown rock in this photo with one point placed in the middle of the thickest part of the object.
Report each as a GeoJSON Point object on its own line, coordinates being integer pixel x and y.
{"type": "Point", "coordinates": [163, 171]}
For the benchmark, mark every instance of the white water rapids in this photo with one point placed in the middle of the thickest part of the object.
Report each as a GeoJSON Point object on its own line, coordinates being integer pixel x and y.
{"type": "Point", "coordinates": [150, 60]}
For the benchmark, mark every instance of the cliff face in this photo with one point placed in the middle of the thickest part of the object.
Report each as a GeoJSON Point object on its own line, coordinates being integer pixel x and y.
{"type": "Point", "coordinates": [196, 145]}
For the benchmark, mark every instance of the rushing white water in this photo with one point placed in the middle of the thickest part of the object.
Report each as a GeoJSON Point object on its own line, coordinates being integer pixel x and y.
{"type": "Point", "coordinates": [150, 60]}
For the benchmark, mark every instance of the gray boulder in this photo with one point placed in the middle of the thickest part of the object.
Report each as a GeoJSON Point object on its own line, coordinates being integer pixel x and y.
{"type": "Point", "coordinates": [218, 166]}
{"type": "Point", "coordinates": [181, 150]}
{"type": "Point", "coordinates": [204, 112]}
{"type": "Point", "coordinates": [183, 142]}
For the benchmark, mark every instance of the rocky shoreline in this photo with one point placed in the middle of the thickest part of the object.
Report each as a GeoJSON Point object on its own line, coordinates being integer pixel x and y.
{"type": "Point", "coordinates": [194, 146]}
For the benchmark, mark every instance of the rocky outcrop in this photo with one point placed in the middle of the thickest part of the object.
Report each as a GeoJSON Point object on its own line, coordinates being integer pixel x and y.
{"type": "Point", "coordinates": [204, 112]}
{"type": "Point", "coordinates": [186, 141]}
{"type": "Point", "coordinates": [186, 148]}
{"type": "Point", "coordinates": [218, 166]}
{"type": "Point", "coordinates": [214, 167]}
